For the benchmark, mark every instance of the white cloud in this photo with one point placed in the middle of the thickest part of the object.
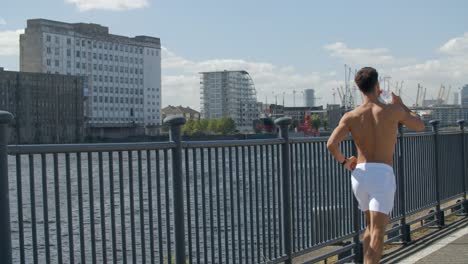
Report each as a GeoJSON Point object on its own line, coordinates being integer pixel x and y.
{"type": "Point", "coordinates": [181, 77]}
{"type": "Point", "coordinates": [377, 56]}
{"type": "Point", "coordinates": [114, 5]}
{"type": "Point", "coordinates": [456, 46]}
{"type": "Point", "coordinates": [9, 42]}
{"type": "Point", "coordinates": [2, 22]}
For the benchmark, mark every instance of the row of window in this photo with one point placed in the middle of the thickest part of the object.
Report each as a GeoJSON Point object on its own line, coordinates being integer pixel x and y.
{"type": "Point", "coordinates": [105, 46]}
{"type": "Point", "coordinates": [111, 99]}
{"type": "Point", "coordinates": [111, 68]}
{"type": "Point", "coordinates": [123, 80]}
{"type": "Point", "coordinates": [116, 89]}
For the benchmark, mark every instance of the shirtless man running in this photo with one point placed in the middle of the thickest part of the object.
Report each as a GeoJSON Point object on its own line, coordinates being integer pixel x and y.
{"type": "Point", "coordinates": [373, 126]}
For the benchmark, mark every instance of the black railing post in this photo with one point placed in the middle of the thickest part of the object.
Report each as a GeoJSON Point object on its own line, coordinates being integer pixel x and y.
{"type": "Point", "coordinates": [461, 123]}
{"type": "Point", "coordinates": [439, 213]}
{"type": "Point", "coordinates": [405, 228]}
{"type": "Point", "coordinates": [175, 123]}
{"type": "Point", "coordinates": [358, 248]}
{"type": "Point", "coordinates": [284, 123]}
{"type": "Point", "coordinates": [5, 231]}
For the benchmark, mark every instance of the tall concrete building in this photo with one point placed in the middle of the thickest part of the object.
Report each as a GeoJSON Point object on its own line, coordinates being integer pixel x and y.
{"type": "Point", "coordinates": [48, 108]}
{"type": "Point", "coordinates": [464, 96]}
{"type": "Point", "coordinates": [229, 94]}
{"type": "Point", "coordinates": [122, 75]}
{"type": "Point", "coordinates": [309, 97]}
{"type": "Point", "coordinates": [456, 100]}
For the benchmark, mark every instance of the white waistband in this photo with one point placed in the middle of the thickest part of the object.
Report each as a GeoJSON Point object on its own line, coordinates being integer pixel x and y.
{"type": "Point", "coordinates": [374, 165]}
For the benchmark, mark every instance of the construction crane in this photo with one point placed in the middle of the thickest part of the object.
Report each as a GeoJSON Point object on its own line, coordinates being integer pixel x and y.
{"type": "Point", "coordinates": [447, 95]}
{"type": "Point", "coordinates": [440, 95]}
{"type": "Point", "coordinates": [424, 97]}
{"type": "Point", "coordinates": [417, 95]}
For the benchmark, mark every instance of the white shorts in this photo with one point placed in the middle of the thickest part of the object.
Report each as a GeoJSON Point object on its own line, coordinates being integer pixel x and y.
{"type": "Point", "coordinates": [374, 186]}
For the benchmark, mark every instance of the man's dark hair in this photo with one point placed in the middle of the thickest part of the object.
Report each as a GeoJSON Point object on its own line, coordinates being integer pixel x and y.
{"type": "Point", "coordinates": [366, 79]}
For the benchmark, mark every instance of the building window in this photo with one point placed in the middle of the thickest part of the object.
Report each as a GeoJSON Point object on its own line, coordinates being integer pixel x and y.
{"type": "Point", "coordinates": [77, 42]}
{"type": "Point", "coordinates": [83, 66]}
{"type": "Point", "coordinates": [48, 62]}
{"type": "Point", "coordinates": [83, 43]}
{"type": "Point", "coordinates": [94, 66]}
{"type": "Point", "coordinates": [68, 52]}
{"type": "Point", "coordinates": [77, 54]}
{"type": "Point", "coordinates": [48, 38]}
{"type": "Point", "coordinates": [94, 44]}
{"type": "Point", "coordinates": [68, 64]}
{"type": "Point", "coordinates": [94, 56]}
{"type": "Point", "coordinates": [77, 65]}
{"type": "Point", "coordinates": [56, 63]}
{"type": "Point", "coordinates": [110, 57]}
{"type": "Point", "coordinates": [57, 51]}
{"type": "Point", "coordinates": [84, 54]}
{"type": "Point", "coordinates": [68, 41]}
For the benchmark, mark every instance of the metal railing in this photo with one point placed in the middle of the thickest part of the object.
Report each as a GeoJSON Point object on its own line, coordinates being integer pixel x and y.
{"type": "Point", "coordinates": [230, 201]}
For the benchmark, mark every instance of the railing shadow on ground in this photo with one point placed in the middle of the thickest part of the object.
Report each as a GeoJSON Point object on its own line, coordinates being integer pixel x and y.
{"type": "Point", "coordinates": [232, 201]}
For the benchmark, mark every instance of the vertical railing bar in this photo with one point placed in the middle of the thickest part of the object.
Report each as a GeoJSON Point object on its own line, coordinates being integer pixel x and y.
{"type": "Point", "coordinates": [122, 208]}
{"type": "Point", "coordinates": [255, 205]}
{"type": "Point", "coordinates": [315, 188]}
{"type": "Point", "coordinates": [218, 208]}
{"type": "Point", "coordinates": [5, 222]}
{"type": "Point", "coordinates": [280, 198]}
{"type": "Point", "coordinates": [91, 205]}
{"type": "Point", "coordinates": [246, 248]}
{"type": "Point", "coordinates": [167, 205]}
{"type": "Point", "coordinates": [189, 214]}
{"type": "Point", "coordinates": [158, 205]}
{"type": "Point", "coordinates": [288, 235]}
{"type": "Point", "coordinates": [69, 209]}
{"type": "Point", "coordinates": [210, 201]}
{"type": "Point", "coordinates": [305, 224]}
{"type": "Point", "coordinates": [262, 191]}
{"type": "Point", "coordinates": [19, 192]}
{"type": "Point", "coordinates": [307, 191]}
{"type": "Point", "coordinates": [57, 209]}
{"type": "Point", "coordinates": [102, 208]}
{"type": "Point", "coordinates": [203, 185]}
{"type": "Point", "coordinates": [274, 173]}
{"type": "Point", "coordinates": [251, 206]}
{"type": "Point", "coordinates": [231, 197]}
{"type": "Point", "coordinates": [268, 149]}
{"type": "Point", "coordinates": [226, 234]}
{"type": "Point", "coordinates": [132, 204]}
{"type": "Point", "coordinates": [195, 195]}
{"type": "Point", "coordinates": [32, 194]}
{"type": "Point", "coordinates": [141, 208]}
{"type": "Point", "coordinates": [294, 194]}
{"type": "Point", "coordinates": [46, 208]}
{"type": "Point", "coordinates": [111, 192]}
{"type": "Point", "coordinates": [239, 223]}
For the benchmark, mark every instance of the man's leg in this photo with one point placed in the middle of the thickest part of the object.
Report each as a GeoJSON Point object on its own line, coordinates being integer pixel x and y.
{"type": "Point", "coordinates": [367, 234]}
{"type": "Point", "coordinates": [378, 222]}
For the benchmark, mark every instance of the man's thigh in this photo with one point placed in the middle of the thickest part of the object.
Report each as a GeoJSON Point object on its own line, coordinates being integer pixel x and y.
{"type": "Point", "coordinates": [378, 221]}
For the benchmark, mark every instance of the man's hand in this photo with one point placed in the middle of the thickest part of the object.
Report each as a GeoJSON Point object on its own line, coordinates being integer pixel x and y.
{"type": "Point", "coordinates": [396, 99]}
{"type": "Point", "coordinates": [351, 163]}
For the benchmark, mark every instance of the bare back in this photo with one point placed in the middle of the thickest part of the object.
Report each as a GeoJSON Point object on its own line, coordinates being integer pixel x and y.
{"type": "Point", "coordinates": [374, 130]}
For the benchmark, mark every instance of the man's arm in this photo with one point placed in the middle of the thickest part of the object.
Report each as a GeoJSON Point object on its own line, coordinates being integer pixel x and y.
{"type": "Point", "coordinates": [333, 144]}
{"type": "Point", "coordinates": [407, 117]}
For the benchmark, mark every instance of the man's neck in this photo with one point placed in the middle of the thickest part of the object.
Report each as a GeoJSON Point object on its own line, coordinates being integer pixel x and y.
{"type": "Point", "coordinates": [370, 99]}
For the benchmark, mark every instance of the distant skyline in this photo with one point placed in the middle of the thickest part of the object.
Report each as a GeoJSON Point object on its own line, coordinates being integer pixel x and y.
{"type": "Point", "coordinates": [284, 46]}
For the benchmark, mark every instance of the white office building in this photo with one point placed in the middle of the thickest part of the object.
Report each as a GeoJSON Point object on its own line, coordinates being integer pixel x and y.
{"type": "Point", "coordinates": [229, 94]}
{"type": "Point", "coordinates": [309, 97]}
{"type": "Point", "coordinates": [122, 85]}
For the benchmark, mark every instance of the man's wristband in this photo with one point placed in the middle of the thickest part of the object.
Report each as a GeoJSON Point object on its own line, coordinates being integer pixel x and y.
{"type": "Point", "coordinates": [344, 161]}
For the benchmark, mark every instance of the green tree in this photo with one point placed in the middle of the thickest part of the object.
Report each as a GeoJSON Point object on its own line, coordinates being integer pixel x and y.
{"type": "Point", "coordinates": [325, 123]}
{"type": "Point", "coordinates": [226, 125]}
{"type": "Point", "coordinates": [315, 121]}
{"type": "Point", "coordinates": [213, 126]}
{"type": "Point", "coordinates": [202, 125]}
{"type": "Point", "coordinates": [189, 127]}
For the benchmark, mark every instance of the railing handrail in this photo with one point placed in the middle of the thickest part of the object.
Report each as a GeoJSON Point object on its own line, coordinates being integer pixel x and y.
{"type": "Point", "coordinates": [231, 143]}
{"type": "Point", "coordinates": [91, 147]}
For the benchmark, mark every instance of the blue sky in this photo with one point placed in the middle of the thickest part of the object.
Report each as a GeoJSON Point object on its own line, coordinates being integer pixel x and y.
{"type": "Point", "coordinates": [285, 46]}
